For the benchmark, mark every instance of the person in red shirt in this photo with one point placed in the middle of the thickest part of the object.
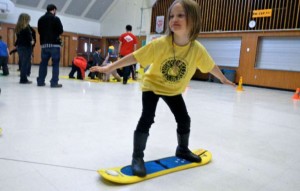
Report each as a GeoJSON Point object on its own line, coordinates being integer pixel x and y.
{"type": "Point", "coordinates": [128, 44]}
{"type": "Point", "coordinates": [79, 65]}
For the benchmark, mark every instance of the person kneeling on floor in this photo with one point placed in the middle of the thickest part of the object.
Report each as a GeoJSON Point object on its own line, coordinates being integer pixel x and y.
{"type": "Point", "coordinates": [79, 65]}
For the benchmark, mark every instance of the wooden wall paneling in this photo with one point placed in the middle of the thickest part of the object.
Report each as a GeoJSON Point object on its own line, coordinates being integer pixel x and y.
{"type": "Point", "coordinates": [237, 15]}
{"type": "Point", "coordinates": [247, 59]}
{"type": "Point", "coordinates": [242, 10]}
{"type": "Point", "coordinates": [202, 15]}
{"type": "Point", "coordinates": [259, 77]}
{"type": "Point", "coordinates": [73, 46]}
{"type": "Point", "coordinates": [240, 16]}
{"type": "Point", "coordinates": [282, 10]}
{"type": "Point", "coordinates": [250, 12]}
{"type": "Point", "coordinates": [292, 13]}
{"type": "Point", "coordinates": [297, 25]}
{"type": "Point", "coordinates": [36, 52]}
{"type": "Point", "coordinates": [218, 15]}
{"type": "Point", "coordinates": [248, 15]}
{"type": "Point", "coordinates": [221, 20]}
{"type": "Point", "coordinates": [264, 6]}
{"type": "Point", "coordinates": [229, 15]}
{"type": "Point", "coordinates": [270, 5]}
{"type": "Point", "coordinates": [272, 17]}
{"type": "Point", "coordinates": [274, 13]}
{"type": "Point", "coordinates": [278, 14]}
{"type": "Point", "coordinates": [253, 4]}
{"type": "Point", "coordinates": [263, 18]}
{"type": "Point", "coordinates": [268, 19]}
{"type": "Point", "coordinates": [287, 10]}
{"type": "Point", "coordinates": [258, 20]}
{"type": "Point", "coordinates": [207, 16]}
{"type": "Point", "coordinates": [214, 14]}
{"type": "Point", "coordinates": [10, 40]}
{"type": "Point", "coordinates": [232, 15]}
{"type": "Point", "coordinates": [226, 15]}
{"type": "Point", "coordinates": [66, 47]}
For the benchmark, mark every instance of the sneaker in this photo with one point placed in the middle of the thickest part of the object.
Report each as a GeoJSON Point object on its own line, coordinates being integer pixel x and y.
{"type": "Point", "coordinates": [43, 84]}
{"type": "Point", "coordinates": [56, 86]}
{"type": "Point", "coordinates": [26, 82]}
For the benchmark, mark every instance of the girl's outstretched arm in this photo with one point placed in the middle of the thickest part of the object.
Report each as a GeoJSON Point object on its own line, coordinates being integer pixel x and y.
{"type": "Point", "coordinates": [125, 61]}
{"type": "Point", "coordinates": [217, 73]}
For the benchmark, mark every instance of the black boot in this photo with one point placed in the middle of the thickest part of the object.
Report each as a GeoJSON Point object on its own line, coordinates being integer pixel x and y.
{"type": "Point", "coordinates": [183, 151]}
{"type": "Point", "coordinates": [139, 145]}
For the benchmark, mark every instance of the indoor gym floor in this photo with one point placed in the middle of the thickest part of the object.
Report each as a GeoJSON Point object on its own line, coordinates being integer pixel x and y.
{"type": "Point", "coordinates": [56, 139]}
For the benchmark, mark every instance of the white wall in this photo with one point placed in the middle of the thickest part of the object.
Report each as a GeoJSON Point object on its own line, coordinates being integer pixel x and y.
{"type": "Point", "coordinates": [125, 12]}
{"type": "Point", "coordinates": [122, 12]}
{"type": "Point", "coordinates": [74, 25]}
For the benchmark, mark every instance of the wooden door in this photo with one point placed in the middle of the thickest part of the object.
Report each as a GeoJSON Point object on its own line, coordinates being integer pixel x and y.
{"type": "Point", "coordinates": [64, 52]}
{"type": "Point", "coordinates": [86, 46]}
{"type": "Point", "coordinates": [11, 39]}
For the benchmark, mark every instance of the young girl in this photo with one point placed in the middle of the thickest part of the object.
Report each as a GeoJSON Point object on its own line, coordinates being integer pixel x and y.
{"type": "Point", "coordinates": [24, 44]}
{"type": "Point", "coordinates": [173, 60]}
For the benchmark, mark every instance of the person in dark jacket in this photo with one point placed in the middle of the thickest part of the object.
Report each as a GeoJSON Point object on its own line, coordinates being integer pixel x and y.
{"type": "Point", "coordinates": [33, 34]}
{"type": "Point", "coordinates": [50, 28]}
{"type": "Point", "coordinates": [24, 44]}
{"type": "Point", "coordinates": [97, 61]}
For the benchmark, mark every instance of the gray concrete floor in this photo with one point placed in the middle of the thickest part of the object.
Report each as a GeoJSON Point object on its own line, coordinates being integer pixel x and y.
{"type": "Point", "coordinates": [56, 139]}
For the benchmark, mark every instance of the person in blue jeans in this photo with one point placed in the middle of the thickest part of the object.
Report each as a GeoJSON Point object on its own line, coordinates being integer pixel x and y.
{"type": "Point", "coordinates": [24, 44]}
{"type": "Point", "coordinates": [50, 28]}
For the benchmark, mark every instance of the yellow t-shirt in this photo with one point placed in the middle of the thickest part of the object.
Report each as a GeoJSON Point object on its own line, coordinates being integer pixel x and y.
{"type": "Point", "coordinates": [169, 76]}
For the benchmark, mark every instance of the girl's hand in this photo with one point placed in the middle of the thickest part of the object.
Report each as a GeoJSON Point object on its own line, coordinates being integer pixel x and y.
{"type": "Point", "coordinates": [102, 69]}
{"type": "Point", "coordinates": [95, 69]}
{"type": "Point", "coordinates": [228, 82]}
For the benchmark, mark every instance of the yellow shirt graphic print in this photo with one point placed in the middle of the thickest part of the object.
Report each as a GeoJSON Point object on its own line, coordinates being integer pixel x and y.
{"type": "Point", "coordinates": [173, 70]}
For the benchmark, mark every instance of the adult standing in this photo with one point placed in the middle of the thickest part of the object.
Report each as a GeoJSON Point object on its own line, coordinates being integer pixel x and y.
{"type": "Point", "coordinates": [4, 57]}
{"type": "Point", "coordinates": [50, 28]}
{"type": "Point", "coordinates": [24, 45]}
{"type": "Point", "coordinates": [128, 44]}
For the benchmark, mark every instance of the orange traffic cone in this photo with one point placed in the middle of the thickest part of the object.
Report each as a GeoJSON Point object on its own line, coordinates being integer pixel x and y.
{"type": "Point", "coordinates": [240, 86]}
{"type": "Point", "coordinates": [297, 94]}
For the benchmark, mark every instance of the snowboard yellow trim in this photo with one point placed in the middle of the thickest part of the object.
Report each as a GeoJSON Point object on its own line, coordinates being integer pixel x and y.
{"type": "Point", "coordinates": [115, 175]}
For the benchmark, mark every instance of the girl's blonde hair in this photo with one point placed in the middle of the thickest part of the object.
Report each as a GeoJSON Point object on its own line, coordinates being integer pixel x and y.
{"type": "Point", "coordinates": [192, 12]}
{"type": "Point", "coordinates": [22, 23]}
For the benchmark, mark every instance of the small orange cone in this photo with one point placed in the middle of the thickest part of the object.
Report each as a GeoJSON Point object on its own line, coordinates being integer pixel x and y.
{"type": "Point", "coordinates": [240, 86]}
{"type": "Point", "coordinates": [297, 94]}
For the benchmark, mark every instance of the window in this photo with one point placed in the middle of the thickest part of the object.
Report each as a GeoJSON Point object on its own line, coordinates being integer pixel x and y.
{"type": "Point", "coordinates": [224, 51]}
{"type": "Point", "coordinates": [279, 53]}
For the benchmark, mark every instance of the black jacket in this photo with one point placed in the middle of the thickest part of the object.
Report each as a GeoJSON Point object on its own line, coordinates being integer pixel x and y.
{"type": "Point", "coordinates": [24, 37]}
{"type": "Point", "coordinates": [49, 28]}
{"type": "Point", "coordinates": [97, 59]}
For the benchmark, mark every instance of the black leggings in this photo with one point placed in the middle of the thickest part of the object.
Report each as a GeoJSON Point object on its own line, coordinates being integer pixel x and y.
{"type": "Point", "coordinates": [176, 105]}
